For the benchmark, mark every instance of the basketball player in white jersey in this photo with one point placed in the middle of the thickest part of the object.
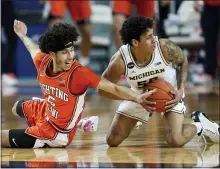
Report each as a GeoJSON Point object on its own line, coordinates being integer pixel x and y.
{"type": "Point", "coordinates": [143, 58]}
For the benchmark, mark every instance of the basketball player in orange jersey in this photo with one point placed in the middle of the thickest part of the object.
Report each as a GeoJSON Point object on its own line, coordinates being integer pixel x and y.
{"type": "Point", "coordinates": [80, 12]}
{"type": "Point", "coordinates": [52, 122]}
{"type": "Point", "coordinates": [123, 9]}
{"type": "Point", "coordinates": [142, 58]}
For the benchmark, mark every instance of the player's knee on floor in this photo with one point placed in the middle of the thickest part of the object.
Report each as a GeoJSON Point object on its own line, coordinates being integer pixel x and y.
{"type": "Point", "coordinates": [114, 139]}
{"type": "Point", "coordinates": [175, 140]}
{"type": "Point", "coordinates": [17, 108]}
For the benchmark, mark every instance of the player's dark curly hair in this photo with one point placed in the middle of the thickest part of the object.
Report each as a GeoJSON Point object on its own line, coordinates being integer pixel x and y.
{"type": "Point", "coordinates": [134, 27]}
{"type": "Point", "coordinates": [57, 36]}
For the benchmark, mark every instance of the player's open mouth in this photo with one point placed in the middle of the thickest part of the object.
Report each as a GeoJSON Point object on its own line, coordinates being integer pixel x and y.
{"type": "Point", "coordinates": [68, 63]}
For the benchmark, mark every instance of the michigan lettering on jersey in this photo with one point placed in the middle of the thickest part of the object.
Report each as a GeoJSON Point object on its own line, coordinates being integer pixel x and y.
{"type": "Point", "coordinates": [146, 74]}
{"type": "Point", "coordinates": [56, 92]}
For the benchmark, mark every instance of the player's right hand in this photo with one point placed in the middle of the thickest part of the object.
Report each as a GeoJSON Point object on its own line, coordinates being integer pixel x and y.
{"type": "Point", "coordinates": [20, 28]}
{"type": "Point", "coordinates": [148, 105]}
{"type": "Point", "coordinates": [142, 98]}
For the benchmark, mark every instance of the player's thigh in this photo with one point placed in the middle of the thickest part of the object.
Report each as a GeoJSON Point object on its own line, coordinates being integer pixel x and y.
{"type": "Point", "coordinates": [122, 7]}
{"type": "Point", "coordinates": [122, 125]}
{"type": "Point", "coordinates": [80, 10]}
{"type": "Point", "coordinates": [145, 8]}
{"type": "Point", "coordinates": [57, 8]}
{"type": "Point", "coordinates": [173, 122]}
{"type": "Point", "coordinates": [32, 110]}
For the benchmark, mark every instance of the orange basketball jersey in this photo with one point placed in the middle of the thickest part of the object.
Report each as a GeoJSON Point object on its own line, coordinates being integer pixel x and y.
{"type": "Point", "coordinates": [63, 108]}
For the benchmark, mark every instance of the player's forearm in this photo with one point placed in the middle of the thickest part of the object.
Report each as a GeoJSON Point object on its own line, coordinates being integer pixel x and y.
{"type": "Point", "coordinates": [121, 92]}
{"type": "Point", "coordinates": [126, 93]}
{"type": "Point", "coordinates": [29, 44]}
{"type": "Point", "coordinates": [182, 74]}
{"type": "Point", "coordinates": [109, 95]}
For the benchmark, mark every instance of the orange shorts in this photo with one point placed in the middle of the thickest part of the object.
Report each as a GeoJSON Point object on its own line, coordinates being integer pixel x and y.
{"type": "Point", "coordinates": [144, 7]}
{"type": "Point", "coordinates": [40, 128]}
{"type": "Point", "coordinates": [79, 10]}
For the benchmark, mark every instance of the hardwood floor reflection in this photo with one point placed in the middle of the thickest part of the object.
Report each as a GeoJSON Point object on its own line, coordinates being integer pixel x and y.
{"type": "Point", "coordinates": [145, 147]}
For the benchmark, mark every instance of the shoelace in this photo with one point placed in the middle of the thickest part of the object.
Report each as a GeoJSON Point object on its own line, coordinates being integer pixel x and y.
{"type": "Point", "coordinates": [204, 139]}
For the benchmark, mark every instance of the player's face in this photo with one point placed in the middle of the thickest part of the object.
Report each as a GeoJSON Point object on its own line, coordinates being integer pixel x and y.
{"type": "Point", "coordinates": [64, 59]}
{"type": "Point", "coordinates": [147, 41]}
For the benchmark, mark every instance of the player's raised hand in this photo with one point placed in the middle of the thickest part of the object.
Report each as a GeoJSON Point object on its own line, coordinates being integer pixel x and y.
{"type": "Point", "coordinates": [20, 28]}
{"type": "Point", "coordinates": [145, 95]}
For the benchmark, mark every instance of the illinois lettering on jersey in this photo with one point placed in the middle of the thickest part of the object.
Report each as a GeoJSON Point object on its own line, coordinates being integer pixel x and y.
{"type": "Point", "coordinates": [139, 77]}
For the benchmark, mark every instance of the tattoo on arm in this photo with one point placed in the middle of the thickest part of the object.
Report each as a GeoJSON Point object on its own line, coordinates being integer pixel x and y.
{"type": "Point", "coordinates": [174, 52]}
{"type": "Point", "coordinates": [176, 56]}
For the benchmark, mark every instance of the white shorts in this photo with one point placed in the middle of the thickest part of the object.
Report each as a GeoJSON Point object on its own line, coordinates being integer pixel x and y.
{"type": "Point", "coordinates": [136, 111]}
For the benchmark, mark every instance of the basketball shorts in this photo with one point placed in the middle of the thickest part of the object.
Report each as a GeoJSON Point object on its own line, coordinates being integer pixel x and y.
{"type": "Point", "coordinates": [144, 8]}
{"type": "Point", "coordinates": [136, 111]}
{"type": "Point", "coordinates": [39, 132]}
{"type": "Point", "coordinates": [79, 10]}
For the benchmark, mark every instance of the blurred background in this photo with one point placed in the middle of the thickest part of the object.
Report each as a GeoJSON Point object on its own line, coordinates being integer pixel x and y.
{"type": "Point", "coordinates": [194, 26]}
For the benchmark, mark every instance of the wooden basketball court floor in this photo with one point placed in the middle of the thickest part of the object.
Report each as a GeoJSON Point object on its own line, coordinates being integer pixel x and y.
{"type": "Point", "coordinates": [144, 148]}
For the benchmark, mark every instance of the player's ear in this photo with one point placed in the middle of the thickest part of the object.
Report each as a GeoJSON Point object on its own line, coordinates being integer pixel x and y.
{"type": "Point", "coordinates": [134, 42]}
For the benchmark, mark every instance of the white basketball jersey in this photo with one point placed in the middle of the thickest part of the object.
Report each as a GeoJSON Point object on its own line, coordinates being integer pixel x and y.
{"type": "Point", "coordinates": [138, 77]}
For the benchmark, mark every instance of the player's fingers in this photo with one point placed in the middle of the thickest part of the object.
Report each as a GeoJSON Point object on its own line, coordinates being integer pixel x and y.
{"type": "Point", "coordinates": [172, 92]}
{"type": "Point", "coordinates": [171, 102]}
{"type": "Point", "coordinates": [170, 106]}
{"type": "Point", "coordinates": [149, 102]}
{"type": "Point", "coordinates": [150, 109]}
{"type": "Point", "coordinates": [147, 94]}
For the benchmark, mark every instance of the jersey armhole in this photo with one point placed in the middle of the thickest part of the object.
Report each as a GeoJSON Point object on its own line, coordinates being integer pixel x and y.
{"type": "Point", "coordinates": [161, 52]}
{"type": "Point", "coordinates": [68, 83]}
{"type": "Point", "coordinates": [124, 60]}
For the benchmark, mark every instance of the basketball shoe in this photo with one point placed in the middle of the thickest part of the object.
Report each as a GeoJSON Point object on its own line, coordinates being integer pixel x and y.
{"type": "Point", "coordinates": [209, 128]}
{"type": "Point", "coordinates": [86, 125]}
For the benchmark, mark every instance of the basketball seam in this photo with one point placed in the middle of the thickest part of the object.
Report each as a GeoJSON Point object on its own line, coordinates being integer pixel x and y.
{"type": "Point", "coordinates": [160, 89]}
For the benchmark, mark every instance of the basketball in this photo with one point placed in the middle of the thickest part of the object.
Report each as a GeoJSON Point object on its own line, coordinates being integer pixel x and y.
{"type": "Point", "coordinates": [162, 95]}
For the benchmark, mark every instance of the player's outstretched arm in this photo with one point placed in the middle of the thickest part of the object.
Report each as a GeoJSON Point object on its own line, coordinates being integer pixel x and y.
{"type": "Point", "coordinates": [113, 73]}
{"type": "Point", "coordinates": [20, 29]}
{"type": "Point", "coordinates": [123, 92]}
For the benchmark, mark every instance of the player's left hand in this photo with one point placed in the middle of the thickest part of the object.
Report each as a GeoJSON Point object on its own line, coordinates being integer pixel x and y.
{"type": "Point", "coordinates": [177, 97]}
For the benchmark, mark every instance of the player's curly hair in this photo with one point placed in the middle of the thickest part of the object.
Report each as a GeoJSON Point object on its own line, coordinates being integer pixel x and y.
{"type": "Point", "coordinates": [57, 36]}
{"type": "Point", "coordinates": [134, 27]}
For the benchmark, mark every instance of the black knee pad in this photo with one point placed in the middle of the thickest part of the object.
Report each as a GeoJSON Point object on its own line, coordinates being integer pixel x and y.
{"type": "Point", "coordinates": [19, 109]}
{"type": "Point", "coordinates": [19, 139]}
